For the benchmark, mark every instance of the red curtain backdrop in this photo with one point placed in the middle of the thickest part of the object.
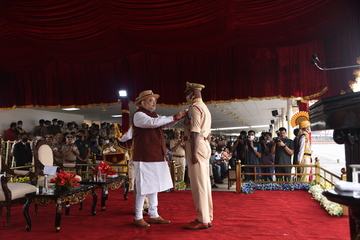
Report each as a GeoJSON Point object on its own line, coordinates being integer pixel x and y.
{"type": "Point", "coordinates": [80, 53]}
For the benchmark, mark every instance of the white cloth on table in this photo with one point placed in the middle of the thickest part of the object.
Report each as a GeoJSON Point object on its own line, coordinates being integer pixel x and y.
{"type": "Point", "coordinates": [50, 170]}
{"type": "Point", "coordinates": [346, 186]}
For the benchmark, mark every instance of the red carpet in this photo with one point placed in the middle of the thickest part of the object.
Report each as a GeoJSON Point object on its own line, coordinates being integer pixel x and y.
{"type": "Point", "coordinates": [261, 215]}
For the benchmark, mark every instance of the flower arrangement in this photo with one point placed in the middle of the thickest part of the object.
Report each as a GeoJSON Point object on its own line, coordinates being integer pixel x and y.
{"type": "Point", "coordinates": [331, 207]}
{"type": "Point", "coordinates": [65, 179]}
{"type": "Point", "coordinates": [250, 187]}
{"type": "Point", "coordinates": [105, 168]}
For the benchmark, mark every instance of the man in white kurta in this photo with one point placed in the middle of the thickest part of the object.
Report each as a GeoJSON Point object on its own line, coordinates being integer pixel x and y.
{"type": "Point", "coordinates": [152, 173]}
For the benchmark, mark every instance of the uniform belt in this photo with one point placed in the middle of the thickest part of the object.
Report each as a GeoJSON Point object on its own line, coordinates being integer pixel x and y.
{"type": "Point", "coordinates": [69, 161]}
{"type": "Point", "coordinates": [178, 156]}
{"type": "Point", "coordinates": [187, 138]}
{"type": "Point", "coordinates": [307, 154]}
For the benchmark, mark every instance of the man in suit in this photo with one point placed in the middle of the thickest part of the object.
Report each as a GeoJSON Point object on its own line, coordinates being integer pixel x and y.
{"type": "Point", "coordinates": [22, 151]}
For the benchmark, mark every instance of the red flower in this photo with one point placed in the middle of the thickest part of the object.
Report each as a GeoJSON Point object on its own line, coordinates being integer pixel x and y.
{"type": "Point", "coordinates": [65, 179]}
{"type": "Point", "coordinates": [105, 168]}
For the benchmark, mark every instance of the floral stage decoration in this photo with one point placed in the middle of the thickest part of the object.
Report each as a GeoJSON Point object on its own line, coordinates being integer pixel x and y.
{"type": "Point", "coordinates": [250, 187]}
{"type": "Point", "coordinates": [105, 169]}
{"type": "Point", "coordinates": [332, 208]}
{"type": "Point", "coordinates": [65, 179]}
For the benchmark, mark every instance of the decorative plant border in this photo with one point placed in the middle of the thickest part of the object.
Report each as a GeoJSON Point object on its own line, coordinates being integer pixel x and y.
{"type": "Point", "coordinates": [332, 208]}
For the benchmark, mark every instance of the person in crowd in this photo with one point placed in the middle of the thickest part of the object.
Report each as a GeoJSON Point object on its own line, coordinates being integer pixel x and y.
{"type": "Point", "coordinates": [37, 129]}
{"type": "Point", "coordinates": [57, 145]}
{"type": "Point", "coordinates": [38, 136]}
{"type": "Point", "coordinates": [177, 147]}
{"type": "Point", "coordinates": [283, 149]}
{"type": "Point", "coordinates": [251, 154]}
{"type": "Point", "coordinates": [71, 128]}
{"type": "Point", "coordinates": [304, 155]}
{"type": "Point", "coordinates": [19, 128]}
{"type": "Point", "coordinates": [220, 164]}
{"type": "Point", "coordinates": [58, 141]}
{"type": "Point", "coordinates": [230, 143]}
{"type": "Point", "coordinates": [215, 167]}
{"type": "Point", "coordinates": [296, 146]}
{"type": "Point", "coordinates": [197, 150]}
{"type": "Point", "coordinates": [152, 173]}
{"type": "Point", "coordinates": [69, 152]}
{"type": "Point", "coordinates": [45, 130]}
{"type": "Point", "coordinates": [96, 149]}
{"type": "Point", "coordinates": [83, 146]}
{"type": "Point", "coordinates": [266, 157]}
{"type": "Point", "coordinates": [269, 137]}
{"type": "Point", "coordinates": [94, 131]}
{"type": "Point", "coordinates": [85, 128]}
{"type": "Point", "coordinates": [22, 151]}
{"type": "Point", "coordinates": [55, 128]}
{"type": "Point", "coordinates": [239, 146]}
{"type": "Point", "coordinates": [61, 126]}
{"type": "Point", "coordinates": [102, 130]}
{"type": "Point", "coordinates": [49, 138]}
{"type": "Point", "coordinates": [232, 161]}
{"type": "Point", "coordinates": [211, 169]}
{"type": "Point", "coordinates": [225, 157]}
{"type": "Point", "coordinates": [213, 144]}
{"type": "Point", "coordinates": [222, 143]}
{"type": "Point", "coordinates": [111, 131]}
{"type": "Point", "coordinates": [10, 133]}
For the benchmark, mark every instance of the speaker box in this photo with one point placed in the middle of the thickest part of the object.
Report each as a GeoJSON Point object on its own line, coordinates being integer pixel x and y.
{"type": "Point", "coordinates": [274, 113]}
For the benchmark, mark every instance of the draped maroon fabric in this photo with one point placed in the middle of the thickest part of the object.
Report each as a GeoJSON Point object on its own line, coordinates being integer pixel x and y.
{"type": "Point", "coordinates": [80, 53]}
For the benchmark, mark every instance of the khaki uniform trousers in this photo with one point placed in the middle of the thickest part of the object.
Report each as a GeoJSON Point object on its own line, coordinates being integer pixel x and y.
{"type": "Point", "coordinates": [305, 161]}
{"type": "Point", "coordinates": [200, 182]}
{"type": "Point", "coordinates": [181, 170]}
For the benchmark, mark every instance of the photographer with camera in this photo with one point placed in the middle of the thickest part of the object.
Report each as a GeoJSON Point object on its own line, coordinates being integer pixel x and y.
{"type": "Point", "coordinates": [239, 147]}
{"type": "Point", "coordinates": [251, 154]}
{"type": "Point", "coordinates": [283, 149]}
{"type": "Point", "coordinates": [266, 157]}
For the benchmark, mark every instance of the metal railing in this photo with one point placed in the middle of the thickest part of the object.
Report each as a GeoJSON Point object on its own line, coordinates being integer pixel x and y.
{"type": "Point", "coordinates": [321, 175]}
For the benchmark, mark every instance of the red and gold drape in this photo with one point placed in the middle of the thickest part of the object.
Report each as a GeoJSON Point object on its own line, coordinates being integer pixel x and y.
{"type": "Point", "coordinates": [80, 53]}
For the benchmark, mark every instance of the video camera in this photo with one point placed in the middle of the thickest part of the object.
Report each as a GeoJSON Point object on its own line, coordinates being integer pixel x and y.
{"type": "Point", "coordinates": [278, 139]}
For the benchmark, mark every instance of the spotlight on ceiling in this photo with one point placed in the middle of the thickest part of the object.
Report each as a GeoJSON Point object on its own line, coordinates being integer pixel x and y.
{"type": "Point", "coordinates": [122, 93]}
{"type": "Point", "coordinates": [116, 116]}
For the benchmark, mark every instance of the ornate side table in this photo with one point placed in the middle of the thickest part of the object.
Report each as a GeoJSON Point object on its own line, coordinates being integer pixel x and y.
{"type": "Point", "coordinates": [71, 196]}
{"type": "Point", "coordinates": [110, 183]}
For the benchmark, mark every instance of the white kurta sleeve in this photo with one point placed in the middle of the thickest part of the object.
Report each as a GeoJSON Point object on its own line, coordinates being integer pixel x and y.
{"type": "Point", "coordinates": [144, 121]}
{"type": "Point", "coordinates": [302, 148]}
{"type": "Point", "coordinates": [127, 136]}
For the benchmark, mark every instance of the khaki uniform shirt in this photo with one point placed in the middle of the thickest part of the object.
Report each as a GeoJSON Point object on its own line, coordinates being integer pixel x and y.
{"type": "Point", "coordinates": [71, 156]}
{"type": "Point", "coordinates": [180, 151]}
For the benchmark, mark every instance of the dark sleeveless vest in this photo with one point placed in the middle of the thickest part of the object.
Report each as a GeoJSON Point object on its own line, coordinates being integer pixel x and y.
{"type": "Point", "coordinates": [149, 143]}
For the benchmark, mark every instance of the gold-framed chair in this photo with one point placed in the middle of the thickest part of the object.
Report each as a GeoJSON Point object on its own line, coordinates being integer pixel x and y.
{"type": "Point", "coordinates": [117, 158]}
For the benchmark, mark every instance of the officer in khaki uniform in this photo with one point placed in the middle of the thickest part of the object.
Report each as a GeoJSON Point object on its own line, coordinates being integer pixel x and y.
{"type": "Point", "coordinates": [197, 125]}
{"type": "Point", "coordinates": [302, 119]}
{"type": "Point", "coordinates": [177, 147]}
